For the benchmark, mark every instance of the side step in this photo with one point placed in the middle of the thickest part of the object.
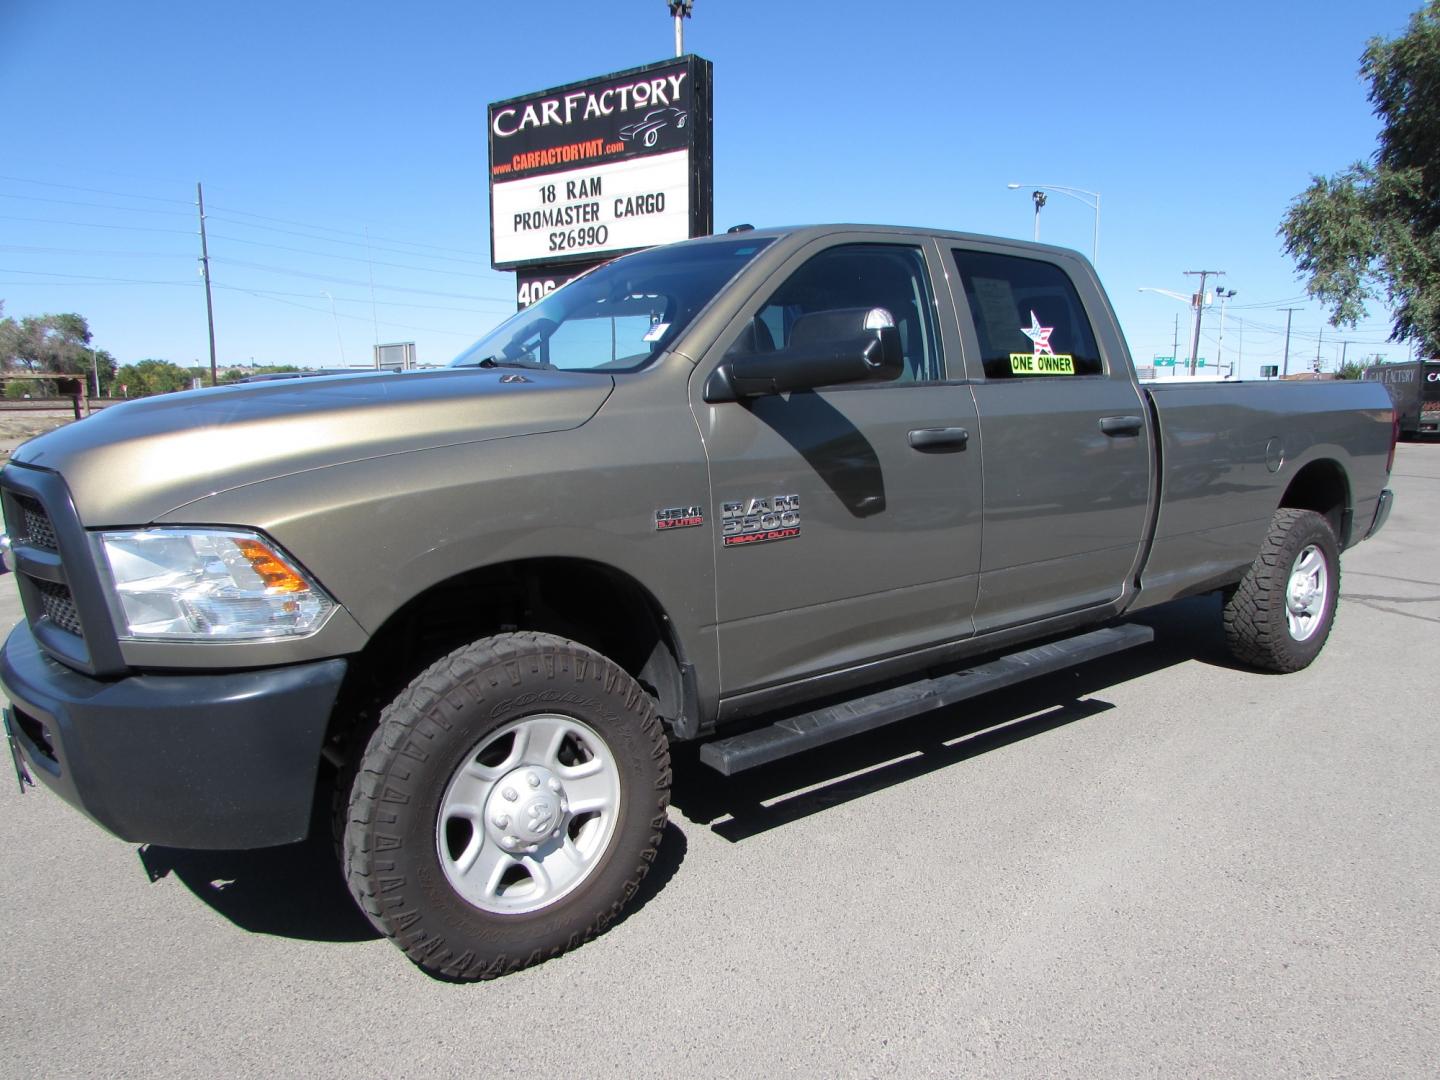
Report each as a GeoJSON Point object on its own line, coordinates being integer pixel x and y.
{"type": "Point", "coordinates": [808, 730]}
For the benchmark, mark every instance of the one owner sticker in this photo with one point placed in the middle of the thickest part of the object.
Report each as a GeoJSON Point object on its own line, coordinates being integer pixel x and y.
{"type": "Point", "coordinates": [1032, 364]}
{"type": "Point", "coordinates": [1044, 360]}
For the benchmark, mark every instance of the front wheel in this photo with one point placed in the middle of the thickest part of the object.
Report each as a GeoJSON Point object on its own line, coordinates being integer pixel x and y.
{"type": "Point", "coordinates": [1280, 614]}
{"type": "Point", "coordinates": [507, 806]}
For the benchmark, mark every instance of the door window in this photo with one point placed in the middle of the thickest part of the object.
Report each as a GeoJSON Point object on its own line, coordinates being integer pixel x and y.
{"type": "Point", "coordinates": [1028, 318]}
{"type": "Point", "coordinates": [886, 276]}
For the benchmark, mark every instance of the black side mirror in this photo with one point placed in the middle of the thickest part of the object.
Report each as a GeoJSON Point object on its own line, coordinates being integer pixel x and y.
{"type": "Point", "coordinates": [843, 345]}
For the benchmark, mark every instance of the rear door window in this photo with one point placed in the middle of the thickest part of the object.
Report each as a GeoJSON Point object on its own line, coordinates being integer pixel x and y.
{"type": "Point", "coordinates": [1028, 318]}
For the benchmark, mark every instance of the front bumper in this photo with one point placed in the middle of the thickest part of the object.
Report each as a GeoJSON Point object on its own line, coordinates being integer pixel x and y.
{"type": "Point", "coordinates": [199, 761]}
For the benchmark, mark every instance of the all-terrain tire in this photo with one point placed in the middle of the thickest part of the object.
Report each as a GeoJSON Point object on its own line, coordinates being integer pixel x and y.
{"type": "Point", "coordinates": [518, 723]}
{"type": "Point", "coordinates": [1280, 614]}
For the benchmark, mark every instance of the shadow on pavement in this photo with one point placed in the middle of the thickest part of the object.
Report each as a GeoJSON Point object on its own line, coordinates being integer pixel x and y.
{"type": "Point", "coordinates": [768, 797]}
{"type": "Point", "coordinates": [294, 891]}
{"type": "Point", "coordinates": [297, 891]}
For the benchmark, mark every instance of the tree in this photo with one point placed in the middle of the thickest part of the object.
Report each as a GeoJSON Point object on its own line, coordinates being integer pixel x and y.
{"type": "Point", "coordinates": [1372, 231]}
{"type": "Point", "coordinates": [46, 343]}
{"type": "Point", "coordinates": [152, 377]}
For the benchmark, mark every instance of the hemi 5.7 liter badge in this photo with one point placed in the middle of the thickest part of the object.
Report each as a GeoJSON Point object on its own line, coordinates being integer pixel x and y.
{"type": "Point", "coordinates": [754, 521]}
{"type": "Point", "coordinates": [679, 517]}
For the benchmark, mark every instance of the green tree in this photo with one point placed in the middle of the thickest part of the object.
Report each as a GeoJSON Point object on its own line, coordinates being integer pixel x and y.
{"type": "Point", "coordinates": [46, 343]}
{"type": "Point", "coordinates": [1372, 231]}
{"type": "Point", "coordinates": [235, 375]}
{"type": "Point", "coordinates": [150, 377]}
{"type": "Point", "coordinates": [1351, 369]}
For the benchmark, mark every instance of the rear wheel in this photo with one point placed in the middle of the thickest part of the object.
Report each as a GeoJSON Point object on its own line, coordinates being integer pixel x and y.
{"type": "Point", "coordinates": [507, 806]}
{"type": "Point", "coordinates": [1280, 614]}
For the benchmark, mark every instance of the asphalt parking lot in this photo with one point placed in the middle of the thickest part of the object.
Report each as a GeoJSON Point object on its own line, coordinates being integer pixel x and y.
{"type": "Point", "coordinates": [1155, 865]}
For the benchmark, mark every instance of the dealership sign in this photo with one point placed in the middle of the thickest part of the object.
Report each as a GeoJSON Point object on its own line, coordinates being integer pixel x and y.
{"type": "Point", "coordinates": [601, 167]}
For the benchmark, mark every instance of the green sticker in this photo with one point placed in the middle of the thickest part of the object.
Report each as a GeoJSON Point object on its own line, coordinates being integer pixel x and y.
{"type": "Point", "coordinates": [1024, 363]}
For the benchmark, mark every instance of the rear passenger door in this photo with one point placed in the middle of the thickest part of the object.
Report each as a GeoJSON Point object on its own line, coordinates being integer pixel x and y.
{"type": "Point", "coordinates": [1066, 453]}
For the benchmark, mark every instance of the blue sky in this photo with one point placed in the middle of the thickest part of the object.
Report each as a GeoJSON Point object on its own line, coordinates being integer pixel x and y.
{"type": "Point", "coordinates": [313, 125]}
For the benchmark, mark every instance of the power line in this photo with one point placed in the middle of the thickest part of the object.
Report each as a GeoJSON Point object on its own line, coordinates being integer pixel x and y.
{"type": "Point", "coordinates": [356, 243]}
{"type": "Point", "coordinates": [355, 258]}
{"type": "Point", "coordinates": [94, 225]}
{"type": "Point", "coordinates": [94, 191]}
{"type": "Point", "coordinates": [91, 252]}
{"type": "Point", "coordinates": [351, 281]}
{"type": "Point", "coordinates": [100, 206]}
{"type": "Point", "coordinates": [506, 305]}
{"type": "Point", "coordinates": [345, 232]}
{"type": "Point", "coordinates": [81, 279]}
{"type": "Point", "coordinates": [467, 335]}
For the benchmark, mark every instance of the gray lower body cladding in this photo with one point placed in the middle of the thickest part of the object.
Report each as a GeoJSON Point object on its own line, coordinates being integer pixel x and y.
{"type": "Point", "coordinates": [219, 761]}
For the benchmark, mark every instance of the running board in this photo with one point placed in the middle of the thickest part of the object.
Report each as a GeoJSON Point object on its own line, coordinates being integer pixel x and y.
{"type": "Point", "coordinates": [808, 730]}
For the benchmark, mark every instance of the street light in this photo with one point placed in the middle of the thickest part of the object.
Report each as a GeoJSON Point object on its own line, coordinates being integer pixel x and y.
{"type": "Point", "coordinates": [1074, 193]}
{"type": "Point", "coordinates": [1224, 294]}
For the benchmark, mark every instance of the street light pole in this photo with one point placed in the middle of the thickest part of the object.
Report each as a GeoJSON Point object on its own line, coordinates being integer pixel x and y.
{"type": "Point", "coordinates": [1224, 295]}
{"type": "Point", "coordinates": [681, 10]}
{"type": "Point", "coordinates": [1074, 193]}
{"type": "Point", "coordinates": [1289, 314]}
{"type": "Point", "coordinates": [338, 339]}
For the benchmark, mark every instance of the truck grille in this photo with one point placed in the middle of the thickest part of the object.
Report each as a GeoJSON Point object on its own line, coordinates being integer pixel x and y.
{"type": "Point", "coordinates": [59, 606]}
{"type": "Point", "coordinates": [36, 525]}
{"type": "Point", "coordinates": [59, 584]}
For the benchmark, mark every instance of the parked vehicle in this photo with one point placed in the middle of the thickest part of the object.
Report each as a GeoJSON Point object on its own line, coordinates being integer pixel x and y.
{"type": "Point", "coordinates": [1415, 390]}
{"type": "Point", "coordinates": [762, 490]}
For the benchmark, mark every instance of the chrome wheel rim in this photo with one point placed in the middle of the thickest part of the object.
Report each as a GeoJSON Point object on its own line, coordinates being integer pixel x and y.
{"type": "Point", "coordinates": [528, 814]}
{"type": "Point", "coordinates": [1307, 593]}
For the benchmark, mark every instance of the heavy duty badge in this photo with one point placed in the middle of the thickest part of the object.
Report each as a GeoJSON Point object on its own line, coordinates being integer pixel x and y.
{"type": "Point", "coordinates": [754, 521]}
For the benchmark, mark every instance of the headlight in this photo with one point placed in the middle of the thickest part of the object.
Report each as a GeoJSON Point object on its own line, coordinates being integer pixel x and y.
{"type": "Point", "coordinates": [210, 585]}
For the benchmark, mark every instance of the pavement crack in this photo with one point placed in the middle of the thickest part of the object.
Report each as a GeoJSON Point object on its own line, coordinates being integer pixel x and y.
{"type": "Point", "coordinates": [1392, 611]}
{"type": "Point", "coordinates": [1394, 599]}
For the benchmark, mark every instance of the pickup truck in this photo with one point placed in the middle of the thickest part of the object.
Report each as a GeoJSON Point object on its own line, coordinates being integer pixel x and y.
{"type": "Point", "coordinates": [761, 490]}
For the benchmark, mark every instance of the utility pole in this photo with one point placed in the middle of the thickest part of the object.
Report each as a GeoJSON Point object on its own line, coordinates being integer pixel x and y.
{"type": "Point", "coordinates": [681, 10]}
{"type": "Point", "coordinates": [205, 272]}
{"type": "Point", "coordinates": [1344, 348]}
{"type": "Point", "coordinates": [1175, 348]}
{"type": "Point", "coordinates": [1289, 312]}
{"type": "Point", "coordinates": [1199, 302]}
{"type": "Point", "coordinates": [1318, 341]}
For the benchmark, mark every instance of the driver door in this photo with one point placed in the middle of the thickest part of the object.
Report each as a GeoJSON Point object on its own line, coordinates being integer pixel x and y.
{"type": "Point", "coordinates": [877, 545]}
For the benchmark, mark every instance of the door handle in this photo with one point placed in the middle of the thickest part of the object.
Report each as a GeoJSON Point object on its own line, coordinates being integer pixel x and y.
{"type": "Point", "coordinates": [1121, 425]}
{"type": "Point", "coordinates": [933, 440]}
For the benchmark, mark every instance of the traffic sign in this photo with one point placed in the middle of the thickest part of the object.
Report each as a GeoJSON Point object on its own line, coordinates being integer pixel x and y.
{"type": "Point", "coordinates": [1164, 361]}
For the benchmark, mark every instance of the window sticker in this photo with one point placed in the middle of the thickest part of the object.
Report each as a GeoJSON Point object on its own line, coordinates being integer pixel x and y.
{"type": "Point", "coordinates": [1044, 360]}
{"type": "Point", "coordinates": [656, 332]}
{"type": "Point", "coordinates": [1031, 364]}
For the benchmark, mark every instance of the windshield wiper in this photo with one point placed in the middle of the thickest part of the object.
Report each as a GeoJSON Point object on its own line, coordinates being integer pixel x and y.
{"type": "Point", "coordinates": [500, 361]}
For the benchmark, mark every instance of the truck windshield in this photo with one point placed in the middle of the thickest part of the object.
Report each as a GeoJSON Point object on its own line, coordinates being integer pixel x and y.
{"type": "Point", "coordinates": [618, 317]}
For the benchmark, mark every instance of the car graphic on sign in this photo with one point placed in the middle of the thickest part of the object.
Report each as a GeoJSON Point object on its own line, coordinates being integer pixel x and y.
{"type": "Point", "coordinates": [647, 130]}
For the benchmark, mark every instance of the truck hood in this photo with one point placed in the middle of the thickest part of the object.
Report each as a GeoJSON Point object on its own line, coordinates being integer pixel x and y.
{"type": "Point", "coordinates": [134, 462]}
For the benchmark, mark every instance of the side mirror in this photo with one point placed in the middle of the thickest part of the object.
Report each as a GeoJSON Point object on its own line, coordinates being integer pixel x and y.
{"type": "Point", "coordinates": [843, 345]}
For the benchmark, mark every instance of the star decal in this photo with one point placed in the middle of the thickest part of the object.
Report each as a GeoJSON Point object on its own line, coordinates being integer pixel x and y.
{"type": "Point", "coordinates": [1040, 335]}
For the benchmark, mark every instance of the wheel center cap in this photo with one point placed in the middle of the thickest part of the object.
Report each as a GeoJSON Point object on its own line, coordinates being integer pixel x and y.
{"type": "Point", "coordinates": [525, 808]}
